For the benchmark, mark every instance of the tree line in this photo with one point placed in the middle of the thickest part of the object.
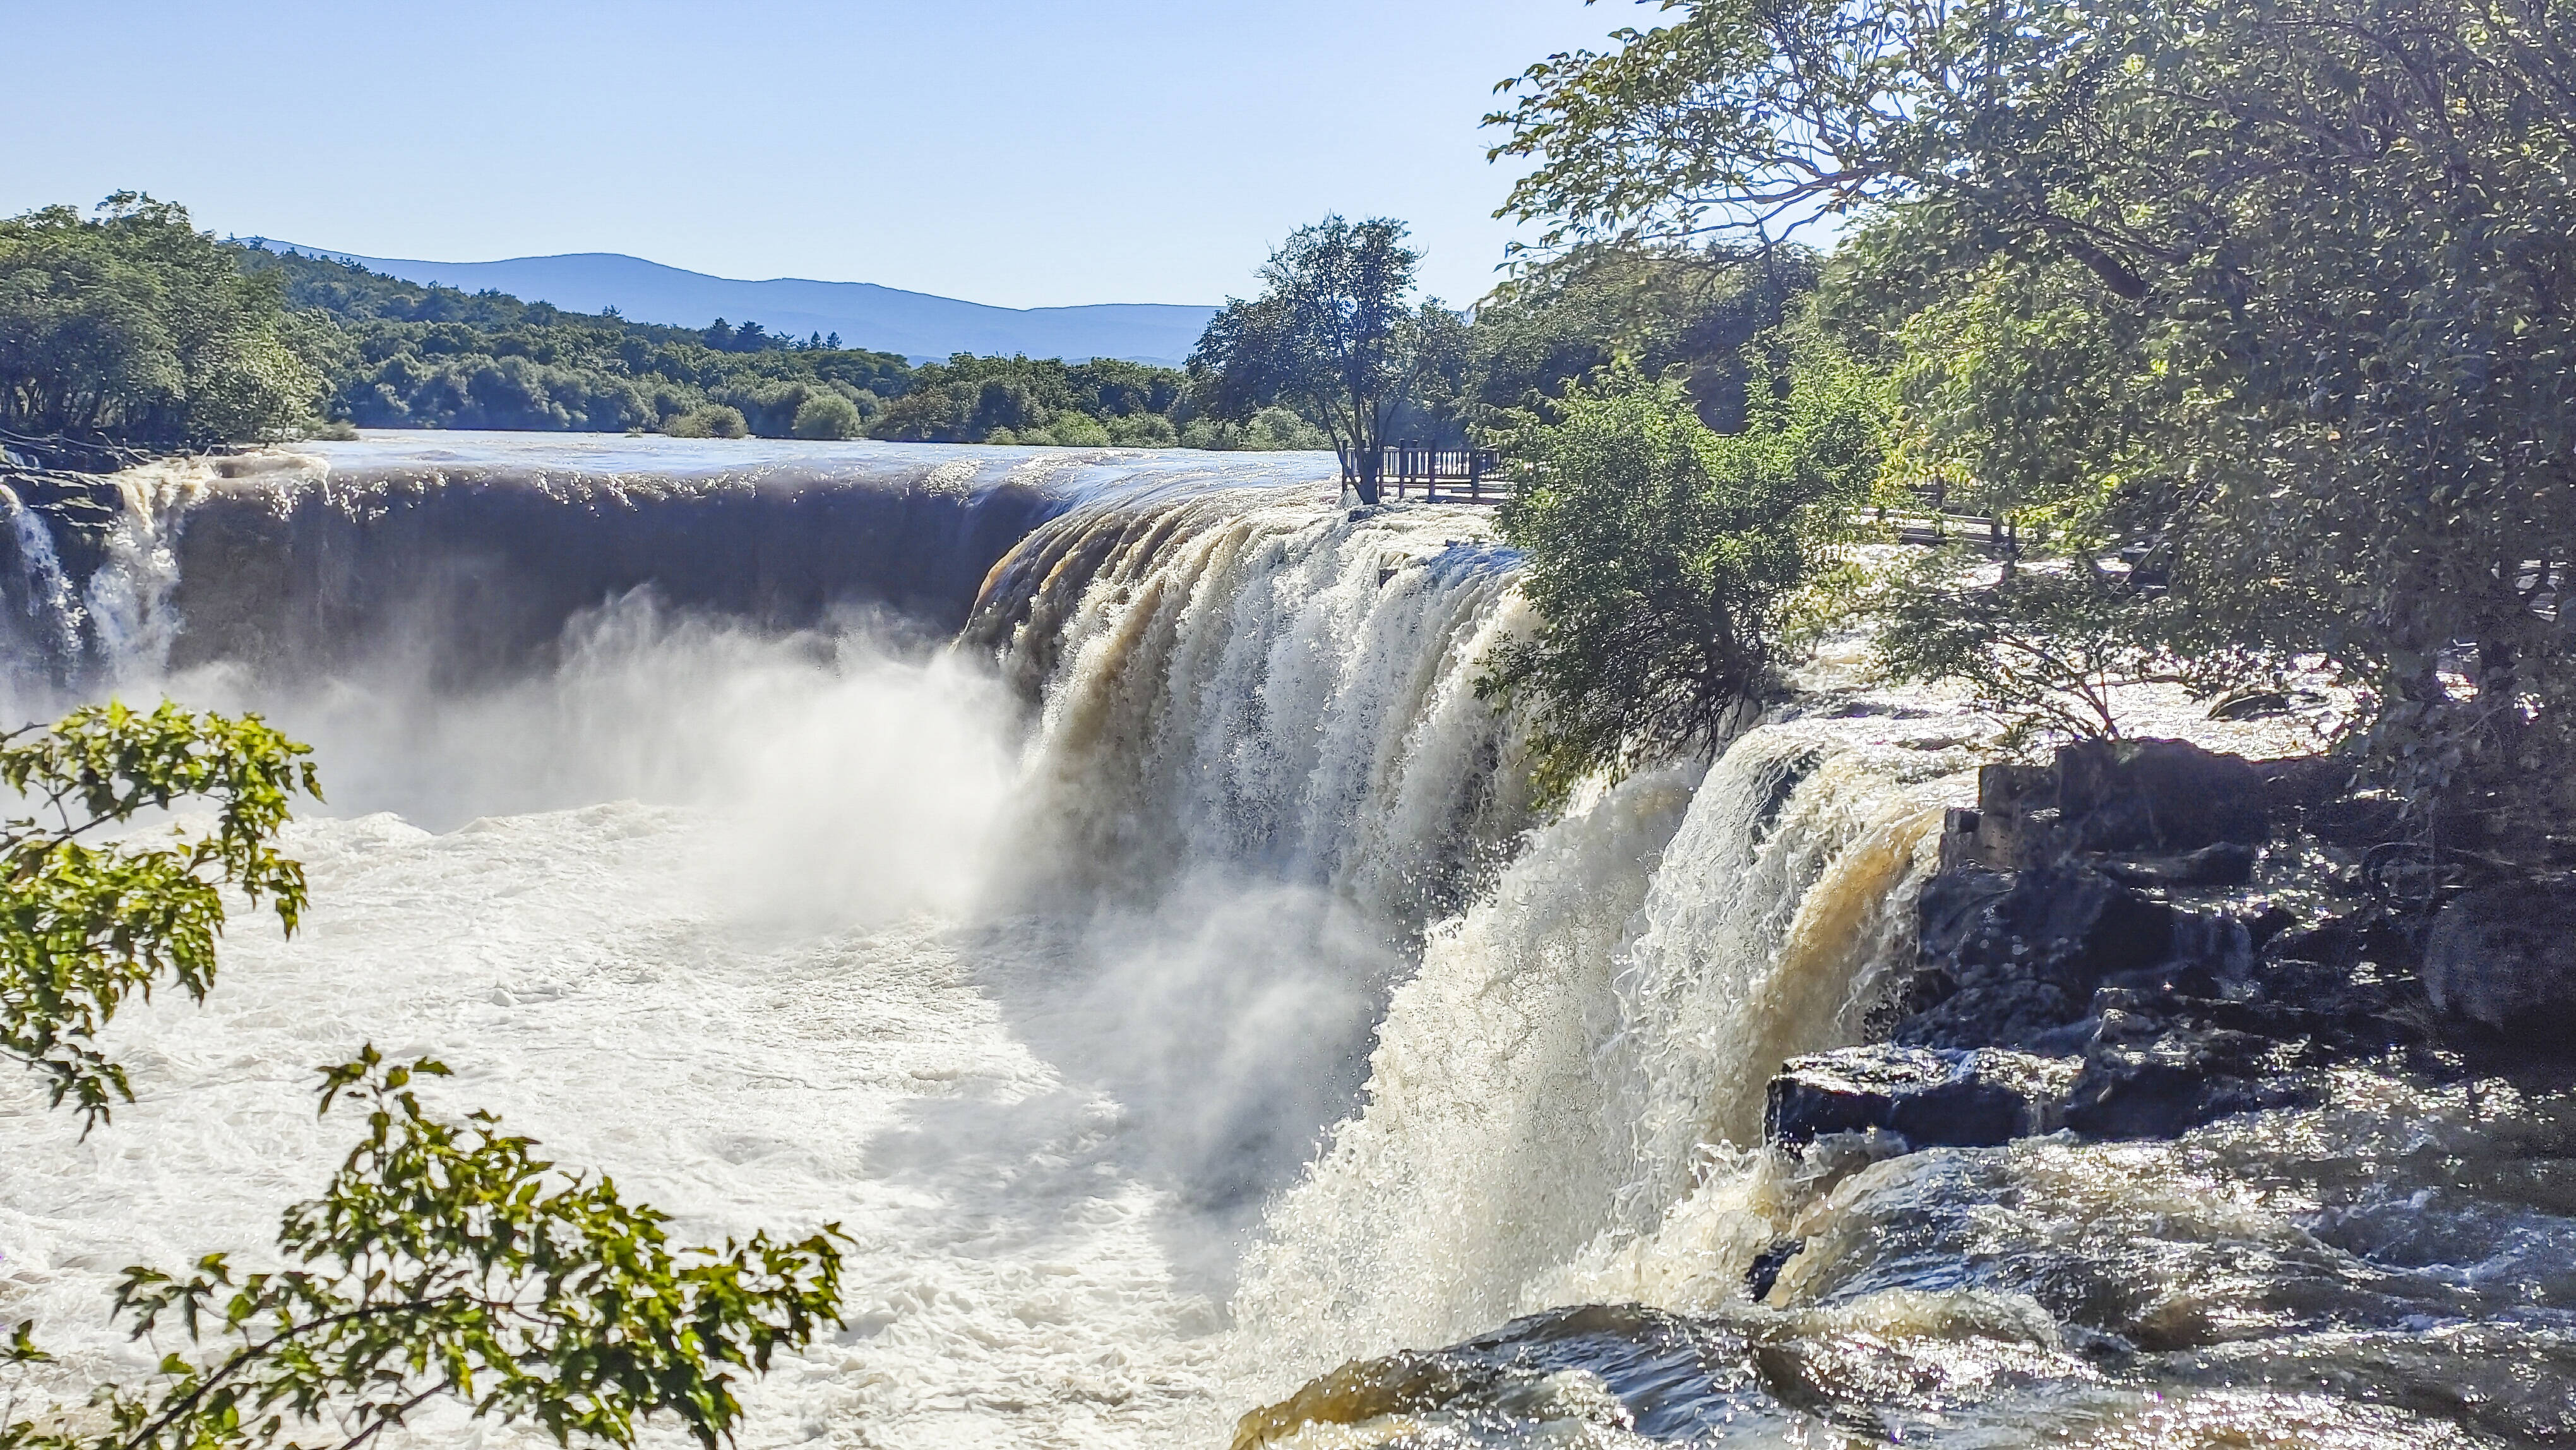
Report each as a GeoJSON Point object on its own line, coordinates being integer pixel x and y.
{"type": "Point", "coordinates": [129, 323]}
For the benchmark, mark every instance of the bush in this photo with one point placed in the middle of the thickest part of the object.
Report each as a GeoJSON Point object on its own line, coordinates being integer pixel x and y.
{"type": "Point", "coordinates": [2043, 649]}
{"type": "Point", "coordinates": [709, 420]}
{"type": "Point", "coordinates": [1077, 430]}
{"type": "Point", "coordinates": [1277, 429]}
{"type": "Point", "coordinates": [1667, 563]}
{"type": "Point", "coordinates": [1143, 430]}
{"type": "Point", "coordinates": [826, 415]}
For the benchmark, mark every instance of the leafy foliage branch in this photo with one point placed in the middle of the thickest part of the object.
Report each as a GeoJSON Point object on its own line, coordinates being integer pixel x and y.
{"type": "Point", "coordinates": [444, 1260]}
{"type": "Point", "coordinates": [447, 1260]}
{"type": "Point", "coordinates": [86, 923]}
{"type": "Point", "coordinates": [1669, 564]}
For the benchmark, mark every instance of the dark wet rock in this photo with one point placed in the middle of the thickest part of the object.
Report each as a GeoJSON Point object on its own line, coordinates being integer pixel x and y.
{"type": "Point", "coordinates": [1764, 1272]}
{"type": "Point", "coordinates": [2151, 1076]}
{"type": "Point", "coordinates": [2007, 958]}
{"type": "Point", "coordinates": [2175, 1018]}
{"type": "Point", "coordinates": [1959, 1099]}
{"type": "Point", "coordinates": [2162, 1062]}
{"type": "Point", "coordinates": [2505, 957]}
{"type": "Point", "coordinates": [2272, 921]}
{"type": "Point", "coordinates": [2157, 795]}
{"type": "Point", "coordinates": [2013, 826]}
{"type": "Point", "coordinates": [2165, 798]}
{"type": "Point", "coordinates": [2229, 863]}
{"type": "Point", "coordinates": [1623, 1366]}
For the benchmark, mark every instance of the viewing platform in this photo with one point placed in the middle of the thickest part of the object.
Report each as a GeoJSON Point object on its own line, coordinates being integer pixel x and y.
{"type": "Point", "coordinates": [1444, 475]}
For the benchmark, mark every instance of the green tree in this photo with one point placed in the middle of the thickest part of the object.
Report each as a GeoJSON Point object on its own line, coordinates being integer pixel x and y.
{"type": "Point", "coordinates": [708, 420]}
{"type": "Point", "coordinates": [1701, 312]}
{"type": "Point", "coordinates": [1668, 563]}
{"type": "Point", "coordinates": [826, 415]}
{"type": "Point", "coordinates": [1332, 336]}
{"type": "Point", "coordinates": [138, 327]}
{"type": "Point", "coordinates": [443, 1260]}
{"type": "Point", "coordinates": [2265, 292]}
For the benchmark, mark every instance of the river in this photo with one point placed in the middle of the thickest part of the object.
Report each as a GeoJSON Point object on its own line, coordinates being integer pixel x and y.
{"type": "Point", "coordinates": [1090, 879]}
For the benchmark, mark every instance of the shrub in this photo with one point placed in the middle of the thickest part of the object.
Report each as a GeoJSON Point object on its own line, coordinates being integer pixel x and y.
{"type": "Point", "coordinates": [826, 415]}
{"type": "Point", "coordinates": [1667, 563]}
{"type": "Point", "coordinates": [708, 420]}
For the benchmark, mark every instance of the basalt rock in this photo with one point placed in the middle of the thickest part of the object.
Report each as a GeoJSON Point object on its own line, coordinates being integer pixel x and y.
{"type": "Point", "coordinates": [2505, 957]}
{"type": "Point", "coordinates": [2165, 798]}
{"type": "Point", "coordinates": [2008, 960]}
{"type": "Point", "coordinates": [2229, 863]}
{"type": "Point", "coordinates": [1962, 1099]}
{"type": "Point", "coordinates": [2165, 1018]}
{"type": "Point", "coordinates": [2163, 1062]}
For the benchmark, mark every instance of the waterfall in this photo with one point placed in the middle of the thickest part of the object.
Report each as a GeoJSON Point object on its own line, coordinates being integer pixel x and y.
{"type": "Point", "coordinates": [1584, 1051]}
{"type": "Point", "coordinates": [1237, 684]}
{"type": "Point", "coordinates": [93, 580]}
{"type": "Point", "coordinates": [464, 558]}
{"type": "Point", "coordinates": [53, 635]}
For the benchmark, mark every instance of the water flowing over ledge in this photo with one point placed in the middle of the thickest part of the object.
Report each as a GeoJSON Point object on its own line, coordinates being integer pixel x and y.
{"type": "Point", "coordinates": [470, 553]}
{"type": "Point", "coordinates": [1242, 683]}
{"type": "Point", "coordinates": [1169, 982]}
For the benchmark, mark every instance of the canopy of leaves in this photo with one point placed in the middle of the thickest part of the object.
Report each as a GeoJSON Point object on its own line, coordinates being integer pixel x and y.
{"type": "Point", "coordinates": [1664, 309]}
{"type": "Point", "coordinates": [1333, 337]}
{"type": "Point", "coordinates": [1039, 400]}
{"type": "Point", "coordinates": [138, 327]}
{"type": "Point", "coordinates": [403, 355]}
{"type": "Point", "coordinates": [1667, 562]}
{"type": "Point", "coordinates": [2273, 289]}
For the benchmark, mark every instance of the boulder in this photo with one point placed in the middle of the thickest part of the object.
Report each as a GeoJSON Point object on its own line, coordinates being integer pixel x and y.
{"type": "Point", "coordinates": [2166, 797]}
{"type": "Point", "coordinates": [1960, 1099]}
{"type": "Point", "coordinates": [2163, 1061]}
{"type": "Point", "coordinates": [2229, 863]}
{"type": "Point", "coordinates": [2505, 956]}
{"type": "Point", "coordinates": [2157, 795]}
{"type": "Point", "coordinates": [2152, 1077]}
{"type": "Point", "coordinates": [2007, 958]}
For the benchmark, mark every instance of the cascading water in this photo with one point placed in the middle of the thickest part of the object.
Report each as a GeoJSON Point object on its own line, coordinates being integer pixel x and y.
{"type": "Point", "coordinates": [1242, 685]}
{"type": "Point", "coordinates": [1168, 984]}
{"type": "Point", "coordinates": [1591, 1041]}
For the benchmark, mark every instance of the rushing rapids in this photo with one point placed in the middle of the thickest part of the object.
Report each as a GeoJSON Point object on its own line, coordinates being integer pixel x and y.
{"type": "Point", "coordinates": [1168, 984]}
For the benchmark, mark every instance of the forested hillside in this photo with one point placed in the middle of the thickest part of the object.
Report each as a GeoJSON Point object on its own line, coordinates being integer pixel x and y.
{"type": "Point", "coordinates": [129, 323]}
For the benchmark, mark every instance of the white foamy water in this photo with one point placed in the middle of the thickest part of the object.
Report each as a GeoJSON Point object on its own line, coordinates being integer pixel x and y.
{"type": "Point", "coordinates": [755, 1009]}
{"type": "Point", "coordinates": [1588, 1045]}
{"type": "Point", "coordinates": [1171, 994]}
{"type": "Point", "coordinates": [744, 921]}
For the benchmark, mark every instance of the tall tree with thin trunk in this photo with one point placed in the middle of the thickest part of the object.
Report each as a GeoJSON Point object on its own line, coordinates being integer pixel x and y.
{"type": "Point", "coordinates": [1333, 337]}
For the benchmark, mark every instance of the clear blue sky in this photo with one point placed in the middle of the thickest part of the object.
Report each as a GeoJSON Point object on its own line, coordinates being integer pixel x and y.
{"type": "Point", "coordinates": [1016, 151]}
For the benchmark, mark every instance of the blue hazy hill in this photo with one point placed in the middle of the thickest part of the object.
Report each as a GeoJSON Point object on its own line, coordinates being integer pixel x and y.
{"type": "Point", "coordinates": [887, 319]}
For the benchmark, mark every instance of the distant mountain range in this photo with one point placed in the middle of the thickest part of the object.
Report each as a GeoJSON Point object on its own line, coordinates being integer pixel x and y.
{"type": "Point", "coordinates": [915, 324]}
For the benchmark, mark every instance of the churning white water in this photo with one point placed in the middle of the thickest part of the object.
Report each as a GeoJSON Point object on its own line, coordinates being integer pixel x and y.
{"type": "Point", "coordinates": [1167, 986]}
{"type": "Point", "coordinates": [787, 928]}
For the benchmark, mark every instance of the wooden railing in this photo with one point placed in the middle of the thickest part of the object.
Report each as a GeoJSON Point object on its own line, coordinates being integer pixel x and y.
{"type": "Point", "coordinates": [1935, 523]}
{"type": "Point", "coordinates": [1474, 475]}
